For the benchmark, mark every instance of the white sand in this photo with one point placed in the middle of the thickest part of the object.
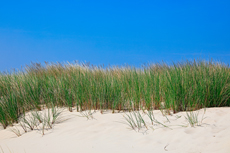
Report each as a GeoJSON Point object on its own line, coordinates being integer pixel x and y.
{"type": "Point", "coordinates": [105, 134]}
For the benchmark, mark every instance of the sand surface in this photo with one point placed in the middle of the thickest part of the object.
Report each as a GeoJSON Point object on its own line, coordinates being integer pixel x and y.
{"type": "Point", "coordinates": [106, 134]}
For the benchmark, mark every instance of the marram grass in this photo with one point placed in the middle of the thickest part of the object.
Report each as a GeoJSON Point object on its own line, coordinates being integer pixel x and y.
{"type": "Point", "coordinates": [182, 86]}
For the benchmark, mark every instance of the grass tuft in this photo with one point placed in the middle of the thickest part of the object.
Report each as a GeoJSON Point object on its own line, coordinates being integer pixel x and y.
{"type": "Point", "coordinates": [192, 118]}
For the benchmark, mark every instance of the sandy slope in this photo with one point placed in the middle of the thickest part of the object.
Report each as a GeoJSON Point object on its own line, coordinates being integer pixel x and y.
{"type": "Point", "coordinates": [105, 134]}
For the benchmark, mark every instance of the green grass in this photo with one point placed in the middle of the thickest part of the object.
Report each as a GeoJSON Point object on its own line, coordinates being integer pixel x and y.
{"type": "Point", "coordinates": [192, 118]}
{"type": "Point", "coordinates": [182, 86]}
{"type": "Point", "coordinates": [37, 120]}
{"type": "Point", "coordinates": [135, 120]}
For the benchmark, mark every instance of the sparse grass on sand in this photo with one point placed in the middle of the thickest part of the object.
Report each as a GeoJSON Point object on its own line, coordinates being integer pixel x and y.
{"type": "Point", "coordinates": [37, 120]}
{"type": "Point", "coordinates": [182, 86]}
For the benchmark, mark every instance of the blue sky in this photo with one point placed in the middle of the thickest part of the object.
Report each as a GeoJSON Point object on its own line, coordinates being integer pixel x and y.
{"type": "Point", "coordinates": [113, 32]}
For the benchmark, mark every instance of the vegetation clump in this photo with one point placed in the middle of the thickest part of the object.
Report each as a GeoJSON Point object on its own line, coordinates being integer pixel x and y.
{"type": "Point", "coordinates": [183, 86]}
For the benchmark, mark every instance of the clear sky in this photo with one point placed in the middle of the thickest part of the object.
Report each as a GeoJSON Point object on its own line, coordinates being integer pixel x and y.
{"type": "Point", "coordinates": [113, 32]}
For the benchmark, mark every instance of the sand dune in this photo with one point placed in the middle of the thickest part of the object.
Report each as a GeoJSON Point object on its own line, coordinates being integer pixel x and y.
{"type": "Point", "coordinates": [106, 134]}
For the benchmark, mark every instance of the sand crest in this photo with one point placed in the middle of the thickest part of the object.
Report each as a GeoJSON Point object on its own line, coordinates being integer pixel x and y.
{"type": "Point", "coordinates": [106, 134]}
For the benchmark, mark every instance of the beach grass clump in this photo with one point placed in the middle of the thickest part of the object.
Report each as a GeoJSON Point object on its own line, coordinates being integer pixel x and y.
{"type": "Point", "coordinates": [37, 120]}
{"type": "Point", "coordinates": [135, 120]}
{"type": "Point", "coordinates": [192, 118]}
{"type": "Point", "coordinates": [182, 86]}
